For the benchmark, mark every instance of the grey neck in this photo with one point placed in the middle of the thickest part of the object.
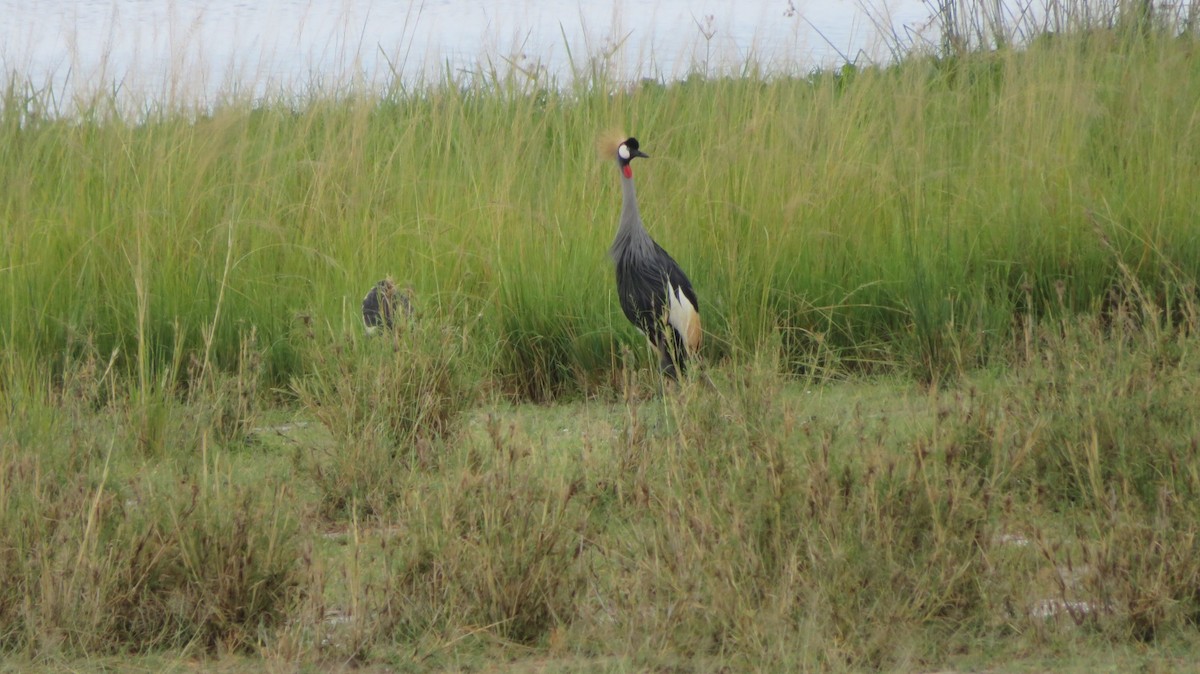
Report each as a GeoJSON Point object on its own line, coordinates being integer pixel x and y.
{"type": "Point", "coordinates": [631, 234]}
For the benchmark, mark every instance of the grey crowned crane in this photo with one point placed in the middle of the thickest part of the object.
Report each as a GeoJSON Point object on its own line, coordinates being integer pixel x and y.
{"type": "Point", "coordinates": [382, 304]}
{"type": "Point", "coordinates": [655, 294]}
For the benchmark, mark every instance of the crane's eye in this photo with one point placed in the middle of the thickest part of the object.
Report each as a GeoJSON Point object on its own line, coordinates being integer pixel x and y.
{"type": "Point", "coordinates": [623, 151]}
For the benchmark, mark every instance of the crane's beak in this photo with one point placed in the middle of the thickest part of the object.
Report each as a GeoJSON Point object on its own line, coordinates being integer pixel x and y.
{"type": "Point", "coordinates": [639, 153]}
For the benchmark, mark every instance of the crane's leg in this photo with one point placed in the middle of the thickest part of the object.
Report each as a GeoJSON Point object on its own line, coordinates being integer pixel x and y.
{"type": "Point", "coordinates": [667, 360]}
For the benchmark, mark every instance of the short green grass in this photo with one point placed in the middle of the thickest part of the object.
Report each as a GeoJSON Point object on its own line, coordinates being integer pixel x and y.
{"type": "Point", "coordinates": [762, 522]}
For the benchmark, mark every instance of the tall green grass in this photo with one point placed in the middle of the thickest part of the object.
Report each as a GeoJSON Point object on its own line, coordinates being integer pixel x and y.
{"type": "Point", "coordinates": [877, 217]}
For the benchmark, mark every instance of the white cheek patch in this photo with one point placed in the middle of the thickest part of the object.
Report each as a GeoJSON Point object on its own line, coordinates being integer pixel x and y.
{"type": "Point", "coordinates": [623, 152]}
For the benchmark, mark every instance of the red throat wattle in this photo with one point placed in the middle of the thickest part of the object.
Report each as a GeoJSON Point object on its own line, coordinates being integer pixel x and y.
{"type": "Point", "coordinates": [627, 170]}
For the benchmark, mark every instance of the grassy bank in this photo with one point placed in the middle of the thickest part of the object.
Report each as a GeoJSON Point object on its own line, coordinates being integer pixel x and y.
{"type": "Point", "coordinates": [952, 420]}
{"type": "Point", "coordinates": [876, 218]}
{"type": "Point", "coordinates": [1041, 517]}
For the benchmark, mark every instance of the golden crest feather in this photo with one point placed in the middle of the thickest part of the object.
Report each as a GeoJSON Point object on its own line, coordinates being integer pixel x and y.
{"type": "Point", "coordinates": [607, 143]}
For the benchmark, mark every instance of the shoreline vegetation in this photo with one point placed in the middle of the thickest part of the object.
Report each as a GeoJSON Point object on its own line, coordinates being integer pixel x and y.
{"type": "Point", "coordinates": [951, 314]}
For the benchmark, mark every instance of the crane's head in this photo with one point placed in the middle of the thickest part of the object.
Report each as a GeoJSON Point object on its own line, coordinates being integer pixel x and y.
{"type": "Point", "coordinates": [626, 152]}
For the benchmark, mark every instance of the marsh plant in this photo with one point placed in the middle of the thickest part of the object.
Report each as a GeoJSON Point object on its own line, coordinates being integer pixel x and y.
{"type": "Point", "coordinates": [99, 558]}
{"type": "Point", "coordinates": [905, 214]}
{"type": "Point", "coordinates": [1042, 507]}
{"type": "Point", "coordinates": [947, 417]}
{"type": "Point", "coordinates": [390, 401]}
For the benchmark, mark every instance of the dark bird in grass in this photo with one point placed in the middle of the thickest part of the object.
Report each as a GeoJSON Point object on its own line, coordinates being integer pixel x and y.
{"type": "Point", "coordinates": [655, 294]}
{"type": "Point", "coordinates": [385, 303]}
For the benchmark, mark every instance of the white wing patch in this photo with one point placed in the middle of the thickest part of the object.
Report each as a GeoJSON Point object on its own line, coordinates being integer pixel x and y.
{"type": "Point", "coordinates": [680, 312]}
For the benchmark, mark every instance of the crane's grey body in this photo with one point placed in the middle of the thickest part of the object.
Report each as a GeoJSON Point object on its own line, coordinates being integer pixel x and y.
{"type": "Point", "coordinates": [655, 294]}
{"type": "Point", "coordinates": [382, 304]}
